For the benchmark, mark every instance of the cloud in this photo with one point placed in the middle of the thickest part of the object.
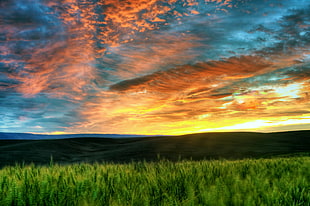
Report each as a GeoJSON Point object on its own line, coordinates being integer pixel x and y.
{"type": "Point", "coordinates": [167, 96]}
{"type": "Point", "coordinates": [155, 65]}
{"type": "Point", "coordinates": [229, 91]}
{"type": "Point", "coordinates": [191, 76]}
{"type": "Point", "coordinates": [19, 113]}
{"type": "Point", "coordinates": [291, 34]}
{"type": "Point", "coordinates": [41, 55]}
{"type": "Point", "coordinates": [158, 51]}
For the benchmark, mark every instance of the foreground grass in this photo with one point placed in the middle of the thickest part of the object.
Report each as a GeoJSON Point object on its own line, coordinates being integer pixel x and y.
{"type": "Point", "coordinates": [279, 181]}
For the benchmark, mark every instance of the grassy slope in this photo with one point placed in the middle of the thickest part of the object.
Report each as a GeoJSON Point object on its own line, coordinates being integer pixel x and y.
{"type": "Point", "coordinates": [279, 181]}
{"type": "Point", "coordinates": [195, 146]}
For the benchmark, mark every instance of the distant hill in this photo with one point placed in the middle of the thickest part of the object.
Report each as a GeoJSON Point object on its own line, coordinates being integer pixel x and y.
{"type": "Point", "coordinates": [233, 145]}
{"type": "Point", "coordinates": [29, 136]}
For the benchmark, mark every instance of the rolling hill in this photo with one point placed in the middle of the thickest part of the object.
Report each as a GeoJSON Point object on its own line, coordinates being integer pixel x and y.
{"type": "Point", "coordinates": [234, 145]}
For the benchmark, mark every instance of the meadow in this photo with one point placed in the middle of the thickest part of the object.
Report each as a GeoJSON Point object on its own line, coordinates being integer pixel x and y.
{"type": "Point", "coordinates": [274, 181]}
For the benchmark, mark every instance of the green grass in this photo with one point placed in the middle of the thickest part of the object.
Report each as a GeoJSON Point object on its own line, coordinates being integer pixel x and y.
{"type": "Point", "coordinates": [278, 181]}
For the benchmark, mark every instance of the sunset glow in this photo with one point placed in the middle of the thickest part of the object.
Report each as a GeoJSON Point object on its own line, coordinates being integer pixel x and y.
{"type": "Point", "coordinates": [154, 66]}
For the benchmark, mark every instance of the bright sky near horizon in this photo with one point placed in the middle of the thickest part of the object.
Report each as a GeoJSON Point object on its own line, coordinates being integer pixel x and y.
{"type": "Point", "coordinates": [154, 66]}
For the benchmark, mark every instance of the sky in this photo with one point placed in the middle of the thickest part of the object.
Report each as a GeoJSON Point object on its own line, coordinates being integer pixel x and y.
{"type": "Point", "coordinates": [154, 66]}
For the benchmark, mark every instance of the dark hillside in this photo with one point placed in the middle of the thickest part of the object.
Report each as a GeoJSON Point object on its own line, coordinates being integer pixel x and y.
{"type": "Point", "coordinates": [237, 145]}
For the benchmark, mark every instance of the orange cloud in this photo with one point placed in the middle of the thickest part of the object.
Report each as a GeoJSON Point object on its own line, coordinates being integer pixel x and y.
{"type": "Point", "coordinates": [158, 52]}
{"type": "Point", "coordinates": [125, 18]}
{"type": "Point", "coordinates": [191, 77]}
{"type": "Point", "coordinates": [175, 95]}
{"type": "Point", "coordinates": [62, 65]}
{"type": "Point", "coordinates": [191, 98]}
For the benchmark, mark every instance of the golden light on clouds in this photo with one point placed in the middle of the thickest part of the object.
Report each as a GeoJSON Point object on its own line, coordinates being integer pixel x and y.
{"type": "Point", "coordinates": [154, 66]}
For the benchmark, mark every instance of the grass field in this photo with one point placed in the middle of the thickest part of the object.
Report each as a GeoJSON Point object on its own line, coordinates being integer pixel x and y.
{"type": "Point", "coordinates": [276, 181]}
